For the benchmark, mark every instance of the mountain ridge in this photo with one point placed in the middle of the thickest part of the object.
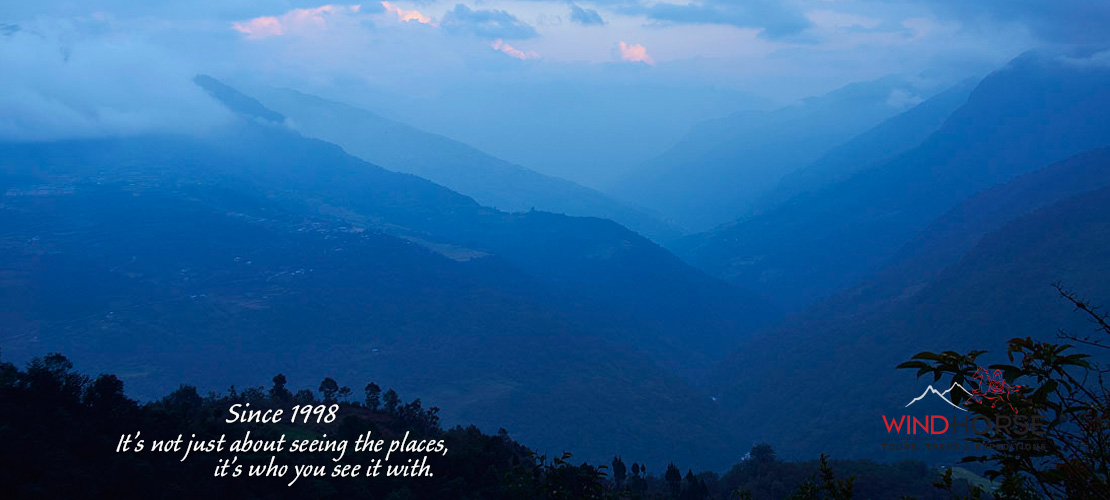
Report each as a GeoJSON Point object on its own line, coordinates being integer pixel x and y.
{"type": "Point", "coordinates": [171, 258]}
{"type": "Point", "coordinates": [491, 181]}
{"type": "Point", "coordinates": [725, 164]}
{"type": "Point", "coordinates": [1035, 111]}
{"type": "Point", "coordinates": [1000, 289]}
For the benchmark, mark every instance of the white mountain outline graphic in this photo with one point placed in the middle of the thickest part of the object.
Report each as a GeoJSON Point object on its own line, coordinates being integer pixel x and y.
{"type": "Point", "coordinates": [943, 395]}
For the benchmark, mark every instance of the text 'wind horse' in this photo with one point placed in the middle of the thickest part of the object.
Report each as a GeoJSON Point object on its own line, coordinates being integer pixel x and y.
{"type": "Point", "coordinates": [992, 389]}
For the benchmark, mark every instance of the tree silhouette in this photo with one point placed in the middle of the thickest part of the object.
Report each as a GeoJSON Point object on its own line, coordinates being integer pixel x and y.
{"type": "Point", "coordinates": [691, 491]}
{"type": "Point", "coordinates": [328, 390]}
{"type": "Point", "coordinates": [278, 392]}
{"type": "Point", "coordinates": [619, 472]}
{"type": "Point", "coordinates": [674, 479]}
{"type": "Point", "coordinates": [827, 487]}
{"type": "Point", "coordinates": [106, 394]}
{"type": "Point", "coordinates": [392, 401]}
{"type": "Point", "coordinates": [762, 454]}
{"type": "Point", "coordinates": [373, 396]}
{"type": "Point", "coordinates": [304, 396]}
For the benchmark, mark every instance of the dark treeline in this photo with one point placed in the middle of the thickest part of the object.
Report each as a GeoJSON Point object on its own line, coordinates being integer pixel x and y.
{"type": "Point", "coordinates": [59, 431]}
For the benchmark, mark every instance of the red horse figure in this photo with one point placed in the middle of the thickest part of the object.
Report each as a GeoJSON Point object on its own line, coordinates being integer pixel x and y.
{"type": "Point", "coordinates": [994, 389]}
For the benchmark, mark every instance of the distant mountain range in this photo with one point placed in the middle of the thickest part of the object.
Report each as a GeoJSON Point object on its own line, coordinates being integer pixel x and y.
{"type": "Point", "coordinates": [952, 244]}
{"type": "Point", "coordinates": [491, 181]}
{"type": "Point", "coordinates": [887, 139]}
{"type": "Point", "coordinates": [883, 225]}
{"type": "Point", "coordinates": [256, 250]}
{"type": "Point", "coordinates": [1036, 111]}
{"type": "Point", "coordinates": [980, 275]}
{"type": "Point", "coordinates": [722, 168]}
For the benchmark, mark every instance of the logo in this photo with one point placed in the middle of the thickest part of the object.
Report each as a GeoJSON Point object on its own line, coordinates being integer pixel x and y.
{"type": "Point", "coordinates": [942, 395]}
{"type": "Point", "coordinates": [994, 390]}
{"type": "Point", "coordinates": [932, 426]}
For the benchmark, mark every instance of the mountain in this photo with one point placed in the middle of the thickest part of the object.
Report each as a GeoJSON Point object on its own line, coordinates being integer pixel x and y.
{"type": "Point", "coordinates": [1037, 110]}
{"type": "Point", "coordinates": [618, 281]}
{"type": "Point", "coordinates": [887, 139]}
{"type": "Point", "coordinates": [993, 283]}
{"type": "Point", "coordinates": [491, 181]}
{"type": "Point", "coordinates": [955, 233]}
{"type": "Point", "coordinates": [195, 278]}
{"type": "Point", "coordinates": [727, 164]}
{"type": "Point", "coordinates": [209, 259]}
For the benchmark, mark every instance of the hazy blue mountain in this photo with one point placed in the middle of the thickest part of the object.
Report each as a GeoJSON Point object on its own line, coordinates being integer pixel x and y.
{"type": "Point", "coordinates": [887, 139]}
{"type": "Point", "coordinates": [1033, 112]}
{"type": "Point", "coordinates": [948, 238]}
{"type": "Point", "coordinates": [586, 259]}
{"type": "Point", "coordinates": [491, 181]}
{"type": "Point", "coordinates": [591, 132]}
{"type": "Point", "coordinates": [237, 101]}
{"type": "Point", "coordinates": [209, 259]}
{"type": "Point", "coordinates": [718, 171]}
{"type": "Point", "coordinates": [195, 283]}
{"type": "Point", "coordinates": [978, 276]}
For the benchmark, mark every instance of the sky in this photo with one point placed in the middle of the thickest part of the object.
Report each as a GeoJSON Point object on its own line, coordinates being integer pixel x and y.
{"type": "Point", "coordinates": [583, 90]}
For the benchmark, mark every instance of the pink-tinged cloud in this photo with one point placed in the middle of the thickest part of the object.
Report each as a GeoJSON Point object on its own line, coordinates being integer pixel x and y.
{"type": "Point", "coordinates": [635, 53]}
{"type": "Point", "coordinates": [259, 27]}
{"type": "Point", "coordinates": [513, 52]}
{"type": "Point", "coordinates": [292, 22]}
{"type": "Point", "coordinates": [407, 15]}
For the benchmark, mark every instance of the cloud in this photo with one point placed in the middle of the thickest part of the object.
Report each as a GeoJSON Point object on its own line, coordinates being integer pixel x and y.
{"type": "Point", "coordinates": [840, 20]}
{"type": "Point", "coordinates": [513, 52]}
{"type": "Point", "coordinates": [775, 18]}
{"type": "Point", "coordinates": [296, 21]}
{"type": "Point", "coordinates": [635, 53]}
{"type": "Point", "coordinates": [903, 99]}
{"type": "Point", "coordinates": [259, 27]}
{"type": "Point", "coordinates": [219, 10]}
{"type": "Point", "coordinates": [1076, 22]}
{"type": "Point", "coordinates": [919, 27]}
{"type": "Point", "coordinates": [1096, 60]}
{"type": "Point", "coordinates": [376, 59]}
{"type": "Point", "coordinates": [486, 24]}
{"type": "Point", "coordinates": [65, 81]}
{"type": "Point", "coordinates": [407, 15]}
{"type": "Point", "coordinates": [585, 17]}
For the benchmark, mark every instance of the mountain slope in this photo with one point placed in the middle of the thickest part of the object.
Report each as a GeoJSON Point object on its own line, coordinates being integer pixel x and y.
{"type": "Point", "coordinates": [256, 250]}
{"type": "Point", "coordinates": [190, 282]}
{"type": "Point", "coordinates": [952, 235]}
{"type": "Point", "coordinates": [885, 140]}
{"type": "Point", "coordinates": [727, 164]}
{"type": "Point", "coordinates": [620, 282]}
{"type": "Point", "coordinates": [1017, 239]}
{"type": "Point", "coordinates": [1035, 111]}
{"type": "Point", "coordinates": [617, 278]}
{"type": "Point", "coordinates": [489, 180]}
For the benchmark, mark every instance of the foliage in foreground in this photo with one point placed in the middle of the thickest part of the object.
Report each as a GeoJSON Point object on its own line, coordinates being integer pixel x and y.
{"type": "Point", "coordinates": [1061, 385]}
